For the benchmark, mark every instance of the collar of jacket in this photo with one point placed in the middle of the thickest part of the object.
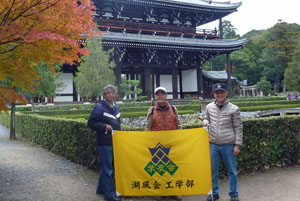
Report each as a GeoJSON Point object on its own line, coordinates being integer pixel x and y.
{"type": "Point", "coordinates": [225, 102]}
{"type": "Point", "coordinates": [108, 106]}
{"type": "Point", "coordinates": [166, 108]}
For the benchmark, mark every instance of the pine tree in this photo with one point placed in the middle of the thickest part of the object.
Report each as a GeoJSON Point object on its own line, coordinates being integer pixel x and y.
{"type": "Point", "coordinates": [95, 71]}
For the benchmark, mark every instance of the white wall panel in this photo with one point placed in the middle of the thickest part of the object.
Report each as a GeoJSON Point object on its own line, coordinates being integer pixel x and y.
{"type": "Point", "coordinates": [67, 79]}
{"type": "Point", "coordinates": [63, 99]}
{"type": "Point", "coordinates": [166, 81]}
{"type": "Point", "coordinates": [189, 80]}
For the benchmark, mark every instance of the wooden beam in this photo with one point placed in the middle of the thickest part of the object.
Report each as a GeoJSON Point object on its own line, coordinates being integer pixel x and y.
{"type": "Point", "coordinates": [118, 81]}
{"type": "Point", "coordinates": [180, 84]}
{"type": "Point", "coordinates": [147, 73]}
{"type": "Point", "coordinates": [174, 83]}
{"type": "Point", "coordinates": [199, 82]}
{"type": "Point", "coordinates": [229, 83]}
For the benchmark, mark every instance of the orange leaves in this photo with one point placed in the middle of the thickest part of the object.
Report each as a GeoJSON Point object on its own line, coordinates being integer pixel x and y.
{"type": "Point", "coordinates": [8, 94]}
{"type": "Point", "coordinates": [39, 30]}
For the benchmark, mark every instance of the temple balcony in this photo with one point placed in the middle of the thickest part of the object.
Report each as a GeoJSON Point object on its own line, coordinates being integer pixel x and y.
{"type": "Point", "coordinates": [131, 26]}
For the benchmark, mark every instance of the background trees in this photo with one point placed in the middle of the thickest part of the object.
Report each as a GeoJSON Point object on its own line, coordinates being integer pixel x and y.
{"type": "Point", "coordinates": [130, 88]}
{"type": "Point", "coordinates": [292, 73]}
{"type": "Point", "coordinates": [38, 30]}
{"type": "Point", "coordinates": [48, 83]}
{"type": "Point", "coordinates": [278, 49]}
{"type": "Point", "coordinates": [95, 71]}
{"type": "Point", "coordinates": [269, 55]}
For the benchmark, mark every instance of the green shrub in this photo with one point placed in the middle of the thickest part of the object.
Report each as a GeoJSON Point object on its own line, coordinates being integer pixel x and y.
{"type": "Point", "coordinates": [263, 103]}
{"type": "Point", "coordinates": [265, 98]}
{"type": "Point", "coordinates": [123, 115]}
{"type": "Point", "coordinates": [267, 107]}
{"type": "Point", "coordinates": [60, 112]}
{"type": "Point", "coordinates": [268, 142]}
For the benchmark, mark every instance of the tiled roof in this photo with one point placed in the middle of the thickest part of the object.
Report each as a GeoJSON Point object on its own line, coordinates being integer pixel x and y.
{"type": "Point", "coordinates": [136, 40]}
{"type": "Point", "coordinates": [206, 3]}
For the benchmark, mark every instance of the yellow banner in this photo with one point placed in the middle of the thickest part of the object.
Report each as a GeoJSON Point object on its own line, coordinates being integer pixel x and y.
{"type": "Point", "coordinates": [158, 163]}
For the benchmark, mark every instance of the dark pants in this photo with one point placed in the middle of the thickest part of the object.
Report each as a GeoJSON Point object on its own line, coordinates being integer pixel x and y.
{"type": "Point", "coordinates": [106, 181]}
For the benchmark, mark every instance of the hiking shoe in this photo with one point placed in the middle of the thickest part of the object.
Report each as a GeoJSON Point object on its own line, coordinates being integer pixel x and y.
{"type": "Point", "coordinates": [235, 198]}
{"type": "Point", "coordinates": [213, 198]}
{"type": "Point", "coordinates": [176, 197]}
{"type": "Point", "coordinates": [115, 198]}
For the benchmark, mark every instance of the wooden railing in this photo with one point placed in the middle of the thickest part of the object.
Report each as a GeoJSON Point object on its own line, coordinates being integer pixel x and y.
{"type": "Point", "coordinates": [157, 29]}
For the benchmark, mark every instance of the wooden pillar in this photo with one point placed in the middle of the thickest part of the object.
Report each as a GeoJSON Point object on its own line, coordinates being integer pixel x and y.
{"type": "Point", "coordinates": [118, 81]}
{"type": "Point", "coordinates": [146, 82]}
{"type": "Point", "coordinates": [157, 82]}
{"type": "Point", "coordinates": [180, 84]}
{"type": "Point", "coordinates": [153, 85]}
{"type": "Point", "coordinates": [221, 28]}
{"type": "Point", "coordinates": [142, 73]}
{"type": "Point", "coordinates": [75, 94]}
{"type": "Point", "coordinates": [229, 83]}
{"type": "Point", "coordinates": [132, 77]}
{"type": "Point", "coordinates": [199, 82]}
{"type": "Point", "coordinates": [157, 79]}
{"type": "Point", "coordinates": [175, 83]}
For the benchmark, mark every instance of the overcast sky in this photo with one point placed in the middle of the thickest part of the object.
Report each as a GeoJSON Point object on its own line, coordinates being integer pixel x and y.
{"type": "Point", "coordinates": [261, 14]}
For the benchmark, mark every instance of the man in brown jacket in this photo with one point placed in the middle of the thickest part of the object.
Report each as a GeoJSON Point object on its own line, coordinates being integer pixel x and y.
{"type": "Point", "coordinates": [225, 138]}
{"type": "Point", "coordinates": [163, 116]}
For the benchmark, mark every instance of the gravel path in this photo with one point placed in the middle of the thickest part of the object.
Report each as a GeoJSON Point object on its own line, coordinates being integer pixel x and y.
{"type": "Point", "coordinates": [30, 173]}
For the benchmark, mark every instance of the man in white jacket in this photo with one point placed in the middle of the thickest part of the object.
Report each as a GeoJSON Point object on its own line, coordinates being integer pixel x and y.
{"type": "Point", "coordinates": [225, 138]}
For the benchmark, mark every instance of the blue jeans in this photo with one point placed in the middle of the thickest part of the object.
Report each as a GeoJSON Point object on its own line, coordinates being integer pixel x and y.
{"type": "Point", "coordinates": [226, 152]}
{"type": "Point", "coordinates": [106, 181]}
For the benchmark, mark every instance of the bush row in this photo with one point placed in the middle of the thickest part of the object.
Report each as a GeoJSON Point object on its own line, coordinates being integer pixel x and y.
{"type": "Point", "coordinates": [265, 98]}
{"type": "Point", "coordinates": [263, 103]}
{"type": "Point", "coordinates": [138, 104]}
{"type": "Point", "coordinates": [136, 111]}
{"type": "Point", "coordinates": [22, 108]}
{"type": "Point", "coordinates": [267, 107]}
{"type": "Point", "coordinates": [268, 142]}
{"type": "Point", "coordinates": [123, 114]}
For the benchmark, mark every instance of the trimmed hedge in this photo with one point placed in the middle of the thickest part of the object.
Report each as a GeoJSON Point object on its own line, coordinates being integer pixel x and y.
{"type": "Point", "coordinates": [123, 115]}
{"type": "Point", "coordinates": [265, 98]}
{"type": "Point", "coordinates": [59, 112]}
{"type": "Point", "coordinates": [268, 142]}
{"type": "Point", "coordinates": [267, 107]}
{"type": "Point", "coordinates": [69, 107]}
{"type": "Point", "coordinates": [263, 103]}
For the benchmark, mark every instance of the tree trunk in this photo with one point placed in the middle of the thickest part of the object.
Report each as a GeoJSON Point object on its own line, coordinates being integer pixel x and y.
{"type": "Point", "coordinates": [12, 134]}
{"type": "Point", "coordinates": [32, 105]}
{"type": "Point", "coordinates": [284, 88]}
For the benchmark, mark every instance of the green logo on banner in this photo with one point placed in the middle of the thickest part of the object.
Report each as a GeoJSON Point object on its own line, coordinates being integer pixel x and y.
{"type": "Point", "coordinates": [160, 162]}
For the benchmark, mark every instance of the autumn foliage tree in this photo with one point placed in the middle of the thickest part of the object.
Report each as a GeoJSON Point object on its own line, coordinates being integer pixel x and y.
{"type": "Point", "coordinates": [38, 30]}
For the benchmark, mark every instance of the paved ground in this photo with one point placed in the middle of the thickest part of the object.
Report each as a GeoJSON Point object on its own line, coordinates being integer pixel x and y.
{"type": "Point", "coordinates": [29, 173]}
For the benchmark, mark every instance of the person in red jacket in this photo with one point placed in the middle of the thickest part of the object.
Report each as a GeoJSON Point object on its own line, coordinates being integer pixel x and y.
{"type": "Point", "coordinates": [163, 116]}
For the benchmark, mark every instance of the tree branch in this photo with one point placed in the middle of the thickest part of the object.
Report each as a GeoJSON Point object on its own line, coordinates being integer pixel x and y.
{"type": "Point", "coordinates": [5, 17]}
{"type": "Point", "coordinates": [9, 50]}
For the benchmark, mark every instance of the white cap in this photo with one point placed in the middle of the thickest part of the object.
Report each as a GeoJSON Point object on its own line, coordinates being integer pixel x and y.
{"type": "Point", "coordinates": [160, 89]}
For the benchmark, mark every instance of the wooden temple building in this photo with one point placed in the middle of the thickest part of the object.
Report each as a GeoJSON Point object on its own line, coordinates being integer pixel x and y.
{"type": "Point", "coordinates": [159, 42]}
